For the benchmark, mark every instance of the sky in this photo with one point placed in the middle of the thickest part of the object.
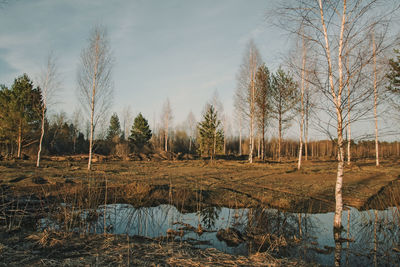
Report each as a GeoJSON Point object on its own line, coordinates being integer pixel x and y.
{"type": "Point", "coordinates": [181, 50]}
{"type": "Point", "coordinates": [176, 49]}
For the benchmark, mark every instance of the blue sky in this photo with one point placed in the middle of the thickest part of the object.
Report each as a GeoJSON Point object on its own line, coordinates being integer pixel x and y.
{"type": "Point", "coordinates": [184, 50]}
{"type": "Point", "coordinates": [181, 49]}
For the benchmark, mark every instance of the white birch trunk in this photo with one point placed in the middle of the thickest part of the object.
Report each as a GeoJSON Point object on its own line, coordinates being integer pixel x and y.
{"type": "Point", "coordinates": [253, 66]}
{"type": "Point", "coordinates": [375, 102]}
{"type": "Point", "coordinates": [337, 223]}
{"type": "Point", "coordinates": [41, 136]}
{"type": "Point", "coordinates": [93, 102]}
{"type": "Point", "coordinates": [279, 137]}
{"type": "Point", "coordinates": [44, 106]}
{"type": "Point", "coordinates": [240, 139]}
{"type": "Point", "coordinates": [348, 127]}
{"type": "Point", "coordinates": [302, 105]}
{"type": "Point", "coordinates": [348, 121]}
{"type": "Point", "coordinates": [306, 130]}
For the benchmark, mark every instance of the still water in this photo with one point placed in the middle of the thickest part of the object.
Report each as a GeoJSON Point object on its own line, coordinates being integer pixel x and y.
{"type": "Point", "coordinates": [369, 238]}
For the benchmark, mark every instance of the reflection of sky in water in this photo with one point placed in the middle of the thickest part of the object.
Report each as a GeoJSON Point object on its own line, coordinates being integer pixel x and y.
{"type": "Point", "coordinates": [363, 225]}
{"type": "Point", "coordinates": [316, 231]}
{"type": "Point", "coordinates": [155, 221]}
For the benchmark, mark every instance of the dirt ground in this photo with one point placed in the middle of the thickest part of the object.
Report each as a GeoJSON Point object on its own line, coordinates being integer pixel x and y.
{"type": "Point", "coordinates": [26, 193]}
{"type": "Point", "coordinates": [226, 183]}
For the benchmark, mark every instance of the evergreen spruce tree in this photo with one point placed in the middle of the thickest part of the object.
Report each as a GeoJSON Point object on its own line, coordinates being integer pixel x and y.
{"type": "Point", "coordinates": [20, 112]}
{"type": "Point", "coordinates": [114, 130]}
{"type": "Point", "coordinates": [394, 79]}
{"type": "Point", "coordinates": [140, 132]}
{"type": "Point", "coordinates": [211, 136]}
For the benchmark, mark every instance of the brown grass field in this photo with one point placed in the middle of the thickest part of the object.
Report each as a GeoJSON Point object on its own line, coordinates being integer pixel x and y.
{"type": "Point", "coordinates": [187, 184]}
{"type": "Point", "coordinates": [222, 182]}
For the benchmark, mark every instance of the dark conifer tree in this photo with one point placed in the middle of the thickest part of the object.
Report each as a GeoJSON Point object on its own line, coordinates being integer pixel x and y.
{"type": "Point", "coordinates": [114, 130]}
{"type": "Point", "coordinates": [140, 132]}
{"type": "Point", "coordinates": [211, 136]}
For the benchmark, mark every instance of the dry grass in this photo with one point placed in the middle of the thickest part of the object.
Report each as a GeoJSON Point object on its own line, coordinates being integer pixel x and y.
{"type": "Point", "coordinates": [223, 183]}
{"type": "Point", "coordinates": [189, 185]}
{"type": "Point", "coordinates": [59, 249]}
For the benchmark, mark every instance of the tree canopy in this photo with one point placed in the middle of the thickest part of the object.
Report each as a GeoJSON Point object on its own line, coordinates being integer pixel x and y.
{"type": "Point", "coordinates": [394, 74]}
{"type": "Point", "coordinates": [114, 130]}
{"type": "Point", "coordinates": [20, 117]}
{"type": "Point", "coordinates": [140, 132]}
{"type": "Point", "coordinates": [211, 136]}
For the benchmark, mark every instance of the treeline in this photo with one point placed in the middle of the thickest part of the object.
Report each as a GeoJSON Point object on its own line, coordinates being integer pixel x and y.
{"type": "Point", "coordinates": [21, 107]}
{"type": "Point", "coordinates": [20, 132]}
{"type": "Point", "coordinates": [264, 102]}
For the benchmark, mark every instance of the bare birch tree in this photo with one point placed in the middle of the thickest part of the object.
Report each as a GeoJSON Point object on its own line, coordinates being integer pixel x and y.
{"type": "Point", "coordinates": [246, 90]}
{"type": "Point", "coordinates": [191, 124]}
{"type": "Point", "coordinates": [302, 68]}
{"type": "Point", "coordinates": [94, 80]}
{"type": "Point", "coordinates": [375, 98]}
{"type": "Point", "coordinates": [302, 108]}
{"type": "Point", "coordinates": [309, 105]}
{"type": "Point", "coordinates": [219, 108]}
{"type": "Point", "coordinates": [263, 94]}
{"type": "Point", "coordinates": [380, 68]}
{"type": "Point", "coordinates": [127, 120]}
{"type": "Point", "coordinates": [238, 116]}
{"type": "Point", "coordinates": [348, 128]}
{"type": "Point", "coordinates": [166, 118]}
{"type": "Point", "coordinates": [48, 82]}
{"type": "Point", "coordinates": [339, 30]}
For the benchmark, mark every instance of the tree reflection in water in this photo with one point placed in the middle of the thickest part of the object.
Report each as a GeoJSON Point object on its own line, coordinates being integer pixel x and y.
{"type": "Point", "coordinates": [208, 216]}
{"type": "Point", "coordinates": [370, 238]}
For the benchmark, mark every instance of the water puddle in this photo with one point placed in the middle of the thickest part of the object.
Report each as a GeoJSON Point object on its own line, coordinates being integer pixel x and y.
{"type": "Point", "coordinates": [368, 238]}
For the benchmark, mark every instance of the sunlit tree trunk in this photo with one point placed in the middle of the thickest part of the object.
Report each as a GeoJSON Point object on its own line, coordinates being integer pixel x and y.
{"type": "Point", "coordinates": [337, 101]}
{"type": "Point", "coordinates": [48, 83]}
{"type": "Point", "coordinates": [306, 126]}
{"type": "Point", "coordinates": [19, 139]}
{"type": "Point", "coordinates": [94, 80]}
{"type": "Point", "coordinates": [253, 69]}
{"type": "Point", "coordinates": [302, 104]}
{"type": "Point", "coordinates": [263, 145]}
{"type": "Point", "coordinates": [93, 101]}
{"type": "Point", "coordinates": [348, 122]}
{"type": "Point", "coordinates": [41, 135]}
{"type": "Point", "coordinates": [375, 101]}
{"type": "Point", "coordinates": [279, 136]}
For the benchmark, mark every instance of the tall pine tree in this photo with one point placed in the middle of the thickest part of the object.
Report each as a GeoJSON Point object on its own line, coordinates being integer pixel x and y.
{"type": "Point", "coordinates": [114, 130]}
{"type": "Point", "coordinates": [20, 113]}
{"type": "Point", "coordinates": [140, 133]}
{"type": "Point", "coordinates": [211, 136]}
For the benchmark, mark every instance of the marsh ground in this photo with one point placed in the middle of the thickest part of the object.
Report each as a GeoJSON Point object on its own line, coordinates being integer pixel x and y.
{"type": "Point", "coordinates": [190, 185]}
{"type": "Point", "coordinates": [229, 183]}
